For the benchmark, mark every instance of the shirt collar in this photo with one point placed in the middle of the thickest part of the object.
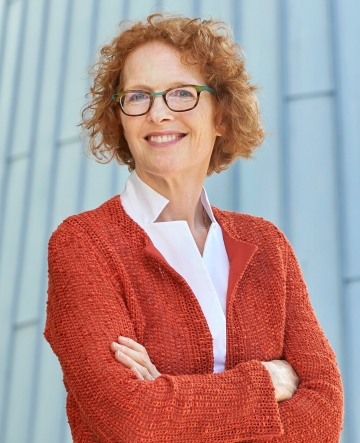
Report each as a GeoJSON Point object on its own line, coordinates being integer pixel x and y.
{"type": "Point", "coordinates": [144, 205]}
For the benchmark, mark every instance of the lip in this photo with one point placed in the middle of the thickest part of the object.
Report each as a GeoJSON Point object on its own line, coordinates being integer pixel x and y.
{"type": "Point", "coordinates": [180, 136]}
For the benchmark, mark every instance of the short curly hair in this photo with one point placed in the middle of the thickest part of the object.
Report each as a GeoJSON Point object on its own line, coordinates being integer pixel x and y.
{"type": "Point", "coordinates": [207, 43]}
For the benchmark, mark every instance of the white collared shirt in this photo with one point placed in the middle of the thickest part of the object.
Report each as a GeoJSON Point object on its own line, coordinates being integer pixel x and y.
{"type": "Point", "coordinates": [206, 275]}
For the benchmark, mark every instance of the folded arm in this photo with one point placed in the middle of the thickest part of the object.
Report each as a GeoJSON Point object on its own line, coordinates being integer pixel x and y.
{"type": "Point", "coordinates": [315, 412]}
{"type": "Point", "coordinates": [135, 357]}
{"type": "Point", "coordinates": [86, 312]}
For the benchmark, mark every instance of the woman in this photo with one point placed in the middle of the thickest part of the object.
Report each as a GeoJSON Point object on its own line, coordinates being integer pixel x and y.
{"type": "Point", "coordinates": [205, 312]}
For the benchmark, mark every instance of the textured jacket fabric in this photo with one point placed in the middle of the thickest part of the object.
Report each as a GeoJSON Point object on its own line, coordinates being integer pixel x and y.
{"type": "Point", "coordinates": [106, 279]}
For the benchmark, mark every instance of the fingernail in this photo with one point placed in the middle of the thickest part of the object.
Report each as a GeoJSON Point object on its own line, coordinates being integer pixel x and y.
{"type": "Point", "coordinates": [121, 354]}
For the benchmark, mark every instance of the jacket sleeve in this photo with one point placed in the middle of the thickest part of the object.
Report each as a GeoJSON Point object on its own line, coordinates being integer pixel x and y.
{"type": "Point", "coordinates": [86, 312]}
{"type": "Point", "coordinates": [315, 412]}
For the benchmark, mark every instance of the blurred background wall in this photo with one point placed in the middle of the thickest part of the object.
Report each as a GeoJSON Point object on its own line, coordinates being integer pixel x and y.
{"type": "Point", "coordinates": [305, 178]}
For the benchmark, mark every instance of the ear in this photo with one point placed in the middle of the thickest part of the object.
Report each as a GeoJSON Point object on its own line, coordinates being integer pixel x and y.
{"type": "Point", "coordinates": [220, 125]}
{"type": "Point", "coordinates": [121, 125]}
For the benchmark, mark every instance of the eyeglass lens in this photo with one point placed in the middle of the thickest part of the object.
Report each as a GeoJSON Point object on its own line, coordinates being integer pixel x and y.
{"type": "Point", "coordinates": [177, 99]}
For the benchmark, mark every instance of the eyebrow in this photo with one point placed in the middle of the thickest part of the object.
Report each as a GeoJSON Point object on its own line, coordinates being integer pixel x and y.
{"type": "Point", "coordinates": [147, 88]}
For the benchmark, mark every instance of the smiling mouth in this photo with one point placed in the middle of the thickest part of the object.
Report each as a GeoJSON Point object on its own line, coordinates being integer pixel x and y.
{"type": "Point", "coordinates": [164, 138]}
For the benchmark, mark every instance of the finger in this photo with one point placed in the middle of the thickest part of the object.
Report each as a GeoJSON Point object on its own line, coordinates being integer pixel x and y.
{"type": "Point", "coordinates": [291, 375]}
{"type": "Point", "coordinates": [130, 343]}
{"type": "Point", "coordinates": [133, 365]}
{"type": "Point", "coordinates": [140, 357]}
{"type": "Point", "coordinates": [145, 374]}
{"type": "Point", "coordinates": [283, 394]}
{"type": "Point", "coordinates": [137, 373]}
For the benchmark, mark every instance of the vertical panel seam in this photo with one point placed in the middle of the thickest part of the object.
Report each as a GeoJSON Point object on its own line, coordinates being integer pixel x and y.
{"type": "Point", "coordinates": [114, 169]}
{"type": "Point", "coordinates": [3, 203]}
{"type": "Point", "coordinates": [64, 58]}
{"type": "Point", "coordinates": [341, 211]}
{"type": "Point", "coordinates": [284, 122]}
{"type": "Point", "coordinates": [4, 28]}
{"type": "Point", "coordinates": [197, 8]}
{"type": "Point", "coordinates": [236, 167]}
{"type": "Point", "coordinates": [92, 44]}
{"type": "Point", "coordinates": [38, 92]}
{"type": "Point", "coordinates": [12, 114]}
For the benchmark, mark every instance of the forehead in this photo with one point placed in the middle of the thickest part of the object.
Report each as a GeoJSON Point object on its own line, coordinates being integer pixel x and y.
{"type": "Point", "coordinates": [157, 65]}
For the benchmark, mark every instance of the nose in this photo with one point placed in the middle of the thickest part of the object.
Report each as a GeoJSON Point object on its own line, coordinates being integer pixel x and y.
{"type": "Point", "coordinates": [159, 112]}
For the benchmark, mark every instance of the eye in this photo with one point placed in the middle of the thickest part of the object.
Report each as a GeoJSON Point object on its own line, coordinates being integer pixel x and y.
{"type": "Point", "coordinates": [136, 97]}
{"type": "Point", "coordinates": [182, 93]}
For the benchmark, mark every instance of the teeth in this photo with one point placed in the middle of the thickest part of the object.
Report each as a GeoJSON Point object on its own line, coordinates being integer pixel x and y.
{"type": "Point", "coordinates": [163, 138]}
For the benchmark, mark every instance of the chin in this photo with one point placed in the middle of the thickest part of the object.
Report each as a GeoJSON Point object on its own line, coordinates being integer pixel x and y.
{"type": "Point", "coordinates": [162, 166]}
{"type": "Point", "coordinates": [164, 171]}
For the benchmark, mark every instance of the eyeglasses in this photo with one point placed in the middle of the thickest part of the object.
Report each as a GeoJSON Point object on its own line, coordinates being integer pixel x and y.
{"type": "Point", "coordinates": [180, 99]}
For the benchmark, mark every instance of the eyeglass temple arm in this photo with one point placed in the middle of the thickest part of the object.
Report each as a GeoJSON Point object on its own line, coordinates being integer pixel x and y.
{"type": "Point", "coordinates": [204, 88]}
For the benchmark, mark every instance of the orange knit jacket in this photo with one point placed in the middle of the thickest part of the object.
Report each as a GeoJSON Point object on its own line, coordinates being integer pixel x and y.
{"type": "Point", "coordinates": [106, 279]}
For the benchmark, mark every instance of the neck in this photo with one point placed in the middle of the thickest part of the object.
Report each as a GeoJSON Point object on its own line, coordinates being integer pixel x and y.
{"type": "Point", "coordinates": [183, 193]}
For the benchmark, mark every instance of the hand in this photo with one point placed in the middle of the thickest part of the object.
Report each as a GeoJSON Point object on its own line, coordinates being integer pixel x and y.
{"type": "Point", "coordinates": [284, 378]}
{"type": "Point", "coordinates": [134, 356]}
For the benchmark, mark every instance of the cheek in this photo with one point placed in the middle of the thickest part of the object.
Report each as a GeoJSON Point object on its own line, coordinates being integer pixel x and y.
{"type": "Point", "coordinates": [129, 129]}
{"type": "Point", "coordinates": [206, 126]}
{"type": "Point", "coordinates": [122, 124]}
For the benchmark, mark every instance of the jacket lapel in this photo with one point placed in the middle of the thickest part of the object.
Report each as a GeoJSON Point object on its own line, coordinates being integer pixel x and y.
{"type": "Point", "coordinates": [150, 249]}
{"type": "Point", "coordinates": [240, 254]}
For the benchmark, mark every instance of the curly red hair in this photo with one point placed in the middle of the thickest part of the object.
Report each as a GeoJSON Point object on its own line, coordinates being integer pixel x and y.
{"type": "Point", "coordinates": [207, 43]}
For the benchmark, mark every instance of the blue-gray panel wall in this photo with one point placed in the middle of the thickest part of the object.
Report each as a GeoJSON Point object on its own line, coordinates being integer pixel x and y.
{"type": "Point", "coordinates": [348, 68]}
{"type": "Point", "coordinates": [352, 421]}
{"type": "Point", "coordinates": [219, 186]}
{"type": "Point", "coordinates": [309, 61]}
{"type": "Point", "coordinates": [260, 178]}
{"type": "Point", "coordinates": [345, 18]}
{"type": "Point", "coordinates": [312, 208]}
{"type": "Point", "coordinates": [304, 178]}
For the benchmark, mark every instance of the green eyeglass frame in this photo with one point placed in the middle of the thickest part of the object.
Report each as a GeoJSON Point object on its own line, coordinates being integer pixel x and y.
{"type": "Point", "coordinates": [117, 97]}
